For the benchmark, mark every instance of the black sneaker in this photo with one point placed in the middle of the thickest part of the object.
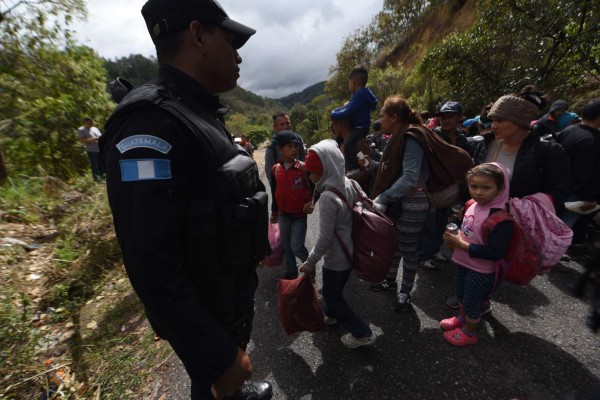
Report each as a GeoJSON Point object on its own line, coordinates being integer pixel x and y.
{"type": "Point", "coordinates": [254, 390]}
{"type": "Point", "coordinates": [384, 285]}
{"type": "Point", "coordinates": [402, 302]}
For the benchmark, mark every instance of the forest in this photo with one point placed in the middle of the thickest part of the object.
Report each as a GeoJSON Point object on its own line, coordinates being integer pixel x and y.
{"type": "Point", "coordinates": [471, 51]}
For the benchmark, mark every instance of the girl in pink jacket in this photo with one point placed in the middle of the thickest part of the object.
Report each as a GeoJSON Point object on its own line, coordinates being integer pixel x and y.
{"type": "Point", "coordinates": [477, 256]}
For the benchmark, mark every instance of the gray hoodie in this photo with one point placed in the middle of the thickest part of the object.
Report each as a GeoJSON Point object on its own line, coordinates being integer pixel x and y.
{"type": "Point", "coordinates": [334, 215]}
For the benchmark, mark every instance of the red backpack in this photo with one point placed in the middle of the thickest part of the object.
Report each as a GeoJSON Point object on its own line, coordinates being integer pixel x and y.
{"type": "Point", "coordinates": [522, 259]}
{"type": "Point", "coordinates": [373, 236]}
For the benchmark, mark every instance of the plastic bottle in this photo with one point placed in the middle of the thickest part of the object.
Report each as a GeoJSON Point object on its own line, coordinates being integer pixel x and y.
{"type": "Point", "coordinates": [453, 229]}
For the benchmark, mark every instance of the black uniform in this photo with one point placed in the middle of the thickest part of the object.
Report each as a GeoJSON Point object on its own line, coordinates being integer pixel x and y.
{"type": "Point", "coordinates": [191, 219]}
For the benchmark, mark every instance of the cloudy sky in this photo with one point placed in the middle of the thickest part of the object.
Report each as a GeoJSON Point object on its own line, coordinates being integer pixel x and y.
{"type": "Point", "coordinates": [295, 44]}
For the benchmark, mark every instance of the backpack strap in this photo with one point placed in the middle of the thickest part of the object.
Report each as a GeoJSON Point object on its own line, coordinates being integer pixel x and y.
{"type": "Point", "coordinates": [339, 239]}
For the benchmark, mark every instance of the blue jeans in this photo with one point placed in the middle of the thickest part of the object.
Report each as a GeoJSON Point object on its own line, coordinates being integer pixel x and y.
{"type": "Point", "coordinates": [335, 306]}
{"type": "Point", "coordinates": [97, 170]}
{"type": "Point", "coordinates": [293, 235]}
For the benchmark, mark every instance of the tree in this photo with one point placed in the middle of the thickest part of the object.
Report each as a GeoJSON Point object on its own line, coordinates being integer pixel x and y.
{"type": "Point", "coordinates": [47, 85]}
{"type": "Point", "coordinates": [517, 42]}
{"type": "Point", "coordinates": [136, 68]}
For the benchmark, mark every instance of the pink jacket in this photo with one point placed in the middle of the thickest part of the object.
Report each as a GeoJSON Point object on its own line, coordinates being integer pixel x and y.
{"type": "Point", "coordinates": [537, 216]}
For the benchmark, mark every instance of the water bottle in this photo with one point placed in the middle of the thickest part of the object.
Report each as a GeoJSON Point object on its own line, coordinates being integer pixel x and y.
{"type": "Point", "coordinates": [453, 229]}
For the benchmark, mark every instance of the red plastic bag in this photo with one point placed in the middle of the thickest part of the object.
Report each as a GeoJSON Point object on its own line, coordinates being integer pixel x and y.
{"type": "Point", "coordinates": [299, 307]}
{"type": "Point", "coordinates": [276, 257]}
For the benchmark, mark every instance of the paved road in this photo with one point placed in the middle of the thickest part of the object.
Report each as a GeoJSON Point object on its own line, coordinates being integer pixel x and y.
{"type": "Point", "coordinates": [534, 345]}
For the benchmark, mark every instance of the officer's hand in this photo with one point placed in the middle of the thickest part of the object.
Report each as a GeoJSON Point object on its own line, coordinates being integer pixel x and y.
{"type": "Point", "coordinates": [302, 269]}
{"type": "Point", "coordinates": [308, 208]}
{"type": "Point", "coordinates": [235, 376]}
{"type": "Point", "coordinates": [274, 219]}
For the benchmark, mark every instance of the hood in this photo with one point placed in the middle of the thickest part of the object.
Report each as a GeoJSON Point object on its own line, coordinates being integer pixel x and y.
{"type": "Point", "coordinates": [333, 165]}
{"type": "Point", "coordinates": [369, 97]}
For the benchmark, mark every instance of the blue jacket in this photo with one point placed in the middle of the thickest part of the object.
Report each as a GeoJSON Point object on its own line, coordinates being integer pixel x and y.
{"type": "Point", "coordinates": [358, 110]}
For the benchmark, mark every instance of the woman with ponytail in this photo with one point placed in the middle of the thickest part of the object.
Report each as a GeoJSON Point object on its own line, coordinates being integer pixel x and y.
{"type": "Point", "coordinates": [399, 189]}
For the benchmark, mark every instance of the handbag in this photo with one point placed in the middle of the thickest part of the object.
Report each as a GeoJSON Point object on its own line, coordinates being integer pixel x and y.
{"type": "Point", "coordinates": [298, 305]}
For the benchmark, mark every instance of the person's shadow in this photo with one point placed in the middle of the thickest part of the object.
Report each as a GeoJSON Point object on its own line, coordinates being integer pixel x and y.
{"type": "Point", "coordinates": [409, 361]}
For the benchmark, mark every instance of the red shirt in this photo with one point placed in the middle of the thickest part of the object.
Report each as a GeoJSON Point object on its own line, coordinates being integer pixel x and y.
{"type": "Point", "coordinates": [290, 189]}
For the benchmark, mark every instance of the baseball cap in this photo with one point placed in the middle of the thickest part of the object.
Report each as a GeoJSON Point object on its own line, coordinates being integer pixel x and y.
{"type": "Point", "coordinates": [166, 17]}
{"type": "Point", "coordinates": [450, 107]}
{"type": "Point", "coordinates": [559, 105]}
{"type": "Point", "coordinates": [284, 137]}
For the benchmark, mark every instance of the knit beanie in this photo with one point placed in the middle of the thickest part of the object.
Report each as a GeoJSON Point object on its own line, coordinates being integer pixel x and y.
{"type": "Point", "coordinates": [313, 163]}
{"type": "Point", "coordinates": [515, 109]}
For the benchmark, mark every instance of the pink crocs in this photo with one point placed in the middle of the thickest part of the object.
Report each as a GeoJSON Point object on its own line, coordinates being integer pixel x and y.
{"type": "Point", "coordinates": [451, 323]}
{"type": "Point", "coordinates": [457, 337]}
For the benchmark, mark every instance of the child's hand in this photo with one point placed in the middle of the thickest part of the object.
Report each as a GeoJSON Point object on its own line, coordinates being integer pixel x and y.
{"type": "Point", "coordinates": [303, 269]}
{"type": "Point", "coordinates": [274, 219]}
{"type": "Point", "coordinates": [308, 208]}
{"type": "Point", "coordinates": [454, 240]}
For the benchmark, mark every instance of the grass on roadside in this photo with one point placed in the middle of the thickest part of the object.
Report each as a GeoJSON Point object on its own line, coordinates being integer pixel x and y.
{"type": "Point", "coordinates": [68, 299]}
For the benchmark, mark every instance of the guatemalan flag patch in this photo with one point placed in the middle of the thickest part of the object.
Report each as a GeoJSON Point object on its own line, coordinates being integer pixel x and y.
{"type": "Point", "coordinates": [147, 169]}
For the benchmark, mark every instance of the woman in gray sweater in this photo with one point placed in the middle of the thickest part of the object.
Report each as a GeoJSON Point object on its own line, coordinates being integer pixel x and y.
{"type": "Point", "coordinates": [325, 166]}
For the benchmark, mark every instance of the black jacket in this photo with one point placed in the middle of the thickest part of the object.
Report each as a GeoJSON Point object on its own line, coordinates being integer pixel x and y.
{"type": "Point", "coordinates": [582, 145]}
{"type": "Point", "coordinates": [540, 167]}
{"type": "Point", "coordinates": [189, 259]}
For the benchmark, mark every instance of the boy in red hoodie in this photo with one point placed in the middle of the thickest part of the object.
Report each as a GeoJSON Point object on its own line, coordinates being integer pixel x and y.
{"type": "Point", "coordinates": [291, 201]}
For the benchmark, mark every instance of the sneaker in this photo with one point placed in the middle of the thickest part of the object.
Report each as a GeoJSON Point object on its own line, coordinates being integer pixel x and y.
{"type": "Point", "coordinates": [440, 257]}
{"type": "Point", "coordinates": [457, 337]}
{"type": "Point", "coordinates": [330, 321]}
{"type": "Point", "coordinates": [402, 302]}
{"type": "Point", "coordinates": [384, 285]}
{"type": "Point", "coordinates": [452, 302]}
{"type": "Point", "coordinates": [352, 342]}
{"type": "Point", "coordinates": [428, 264]}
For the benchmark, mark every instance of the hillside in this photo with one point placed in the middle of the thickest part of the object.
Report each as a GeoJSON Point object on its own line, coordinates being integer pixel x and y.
{"type": "Point", "coordinates": [436, 25]}
{"type": "Point", "coordinates": [243, 101]}
{"type": "Point", "coordinates": [304, 96]}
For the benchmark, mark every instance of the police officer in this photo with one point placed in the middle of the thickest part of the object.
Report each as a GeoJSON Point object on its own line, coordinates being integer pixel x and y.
{"type": "Point", "coordinates": [190, 213]}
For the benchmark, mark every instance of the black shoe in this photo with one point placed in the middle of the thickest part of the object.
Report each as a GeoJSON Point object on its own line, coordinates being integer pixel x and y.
{"type": "Point", "coordinates": [402, 302]}
{"type": "Point", "coordinates": [384, 285]}
{"type": "Point", "coordinates": [257, 390]}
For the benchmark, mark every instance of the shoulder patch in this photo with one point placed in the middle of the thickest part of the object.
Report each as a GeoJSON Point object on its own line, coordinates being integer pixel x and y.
{"type": "Point", "coordinates": [145, 170]}
{"type": "Point", "coordinates": [145, 141]}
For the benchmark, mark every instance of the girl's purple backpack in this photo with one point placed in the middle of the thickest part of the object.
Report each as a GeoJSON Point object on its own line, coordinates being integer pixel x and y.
{"type": "Point", "coordinates": [536, 215]}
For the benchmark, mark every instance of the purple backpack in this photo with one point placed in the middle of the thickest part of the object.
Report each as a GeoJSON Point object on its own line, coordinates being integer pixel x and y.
{"type": "Point", "coordinates": [373, 237]}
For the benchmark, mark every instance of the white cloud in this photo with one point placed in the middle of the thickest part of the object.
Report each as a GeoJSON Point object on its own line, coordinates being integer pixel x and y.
{"type": "Point", "coordinates": [295, 44]}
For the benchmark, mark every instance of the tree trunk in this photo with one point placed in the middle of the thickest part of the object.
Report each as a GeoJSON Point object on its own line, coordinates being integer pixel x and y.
{"type": "Point", "coordinates": [3, 168]}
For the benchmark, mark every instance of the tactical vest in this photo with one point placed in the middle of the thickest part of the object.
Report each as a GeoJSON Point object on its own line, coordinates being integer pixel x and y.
{"type": "Point", "coordinates": [232, 215]}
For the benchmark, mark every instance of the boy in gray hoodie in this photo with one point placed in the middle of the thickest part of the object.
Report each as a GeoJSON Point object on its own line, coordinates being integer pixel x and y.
{"type": "Point", "coordinates": [325, 166]}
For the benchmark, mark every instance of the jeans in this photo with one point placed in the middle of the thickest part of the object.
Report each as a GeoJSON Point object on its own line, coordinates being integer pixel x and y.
{"type": "Point", "coordinates": [335, 306]}
{"type": "Point", "coordinates": [293, 235]}
{"type": "Point", "coordinates": [97, 168]}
